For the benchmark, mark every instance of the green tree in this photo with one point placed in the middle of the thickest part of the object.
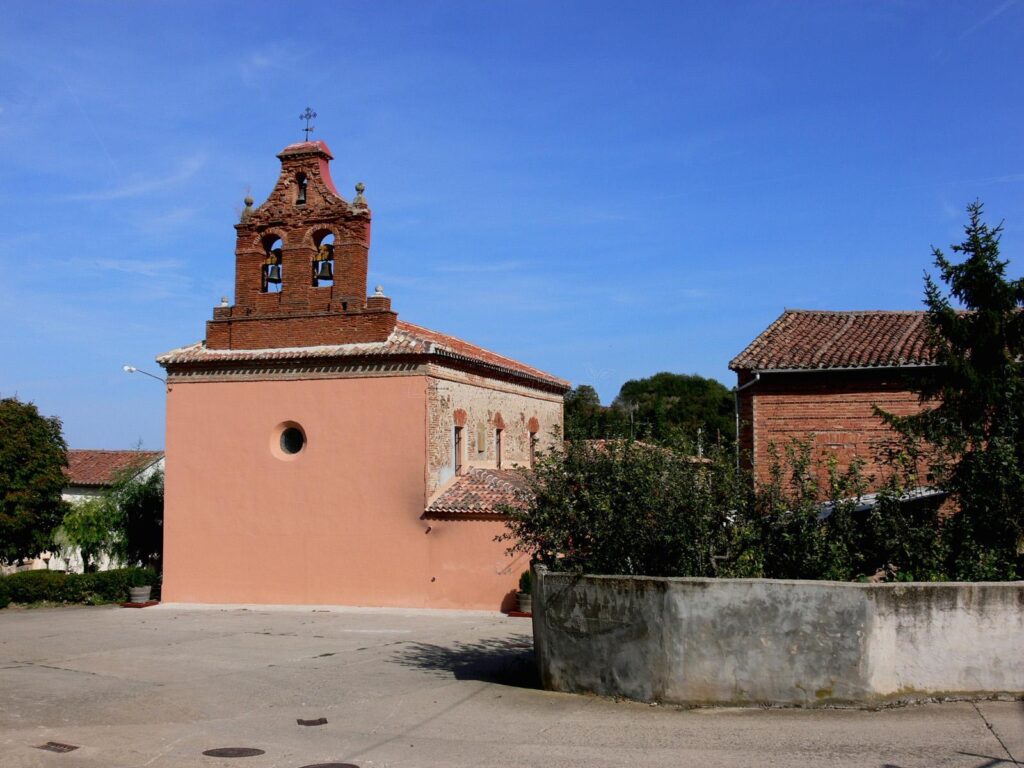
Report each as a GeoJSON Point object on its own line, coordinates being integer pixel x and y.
{"type": "Point", "coordinates": [33, 455]}
{"type": "Point", "coordinates": [667, 405]}
{"type": "Point", "coordinates": [973, 420]}
{"type": "Point", "coordinates": [140, 504]}
{"type": "Point", "coordinates": [125, 522]}
{"type": "Point", "coordinates": [587, 419]}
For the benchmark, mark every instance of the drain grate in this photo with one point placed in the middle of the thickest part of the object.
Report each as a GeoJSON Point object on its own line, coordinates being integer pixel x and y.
{"type": "Point", "coordinates": [233, 752]}
{"type": "Point", "coordinates": [56, 746]}
{"type": "Point", "coordinates": [318, 721]}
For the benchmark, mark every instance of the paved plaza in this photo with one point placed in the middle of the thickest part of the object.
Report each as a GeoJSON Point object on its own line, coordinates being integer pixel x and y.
{"type": "Point", "coordinates": [159, 686]}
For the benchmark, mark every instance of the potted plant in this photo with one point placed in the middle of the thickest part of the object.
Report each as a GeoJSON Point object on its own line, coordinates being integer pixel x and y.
{"type": "Point", "coordinates": [140, 585]}
{"type": "Point", "coordinates": [525, 593]}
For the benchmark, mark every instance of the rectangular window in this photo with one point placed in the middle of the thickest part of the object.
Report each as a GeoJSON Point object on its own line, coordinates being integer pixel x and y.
{"type": "Point", "coordinates": [533, 449]}
{"type": "Point", "coordinates": [458, 450]}
{"type": "Point", "coordinates": [497, 447]}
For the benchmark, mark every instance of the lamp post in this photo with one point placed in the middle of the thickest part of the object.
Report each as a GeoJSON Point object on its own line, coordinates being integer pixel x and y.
{"type": "Point", "coordinates": [132, 369]}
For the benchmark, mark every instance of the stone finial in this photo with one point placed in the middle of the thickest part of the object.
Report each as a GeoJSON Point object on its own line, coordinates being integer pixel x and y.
{"type": "Point", "coordinates": [224, 301]}
{"type": "Point", "coordinates": [359, 199]}
{"type": "Point", "coordinates": [378, 291]}
{"type": "Point", "coordinates": [247, 211]}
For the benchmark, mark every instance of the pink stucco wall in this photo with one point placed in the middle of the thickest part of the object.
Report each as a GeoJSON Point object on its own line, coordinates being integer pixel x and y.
{"type": "Point", "coordinates": [337, 523]}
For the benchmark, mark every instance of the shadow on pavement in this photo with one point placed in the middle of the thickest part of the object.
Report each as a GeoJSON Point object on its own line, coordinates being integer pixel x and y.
{"type": "Point", "coordinates": [505, 661]}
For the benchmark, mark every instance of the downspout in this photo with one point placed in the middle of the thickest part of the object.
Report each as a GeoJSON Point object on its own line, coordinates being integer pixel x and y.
{"type": "Point", "coordinates": [736, 407]}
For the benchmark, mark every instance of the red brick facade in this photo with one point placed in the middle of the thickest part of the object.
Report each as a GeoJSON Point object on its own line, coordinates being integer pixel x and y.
{"type": "Point", "coordinates": [818, 375]}
{"type": "Point", "coordinates": [832, 409]}
{"type": "Point", "coordinates": [291, 228]}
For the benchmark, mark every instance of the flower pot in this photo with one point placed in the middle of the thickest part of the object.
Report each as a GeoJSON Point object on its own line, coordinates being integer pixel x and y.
{"type": "Point", "coordinates": [139, 594]}
{"type": "Point", "coordinates": [525, 602]}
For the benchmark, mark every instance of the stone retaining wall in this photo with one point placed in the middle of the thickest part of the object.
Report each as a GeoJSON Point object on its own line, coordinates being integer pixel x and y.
{"type": "Point", "coordinates": [762, 641]}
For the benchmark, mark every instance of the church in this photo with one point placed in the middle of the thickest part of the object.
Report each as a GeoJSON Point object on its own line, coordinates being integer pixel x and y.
{"type": "Point", "coordinates": [322, 451]}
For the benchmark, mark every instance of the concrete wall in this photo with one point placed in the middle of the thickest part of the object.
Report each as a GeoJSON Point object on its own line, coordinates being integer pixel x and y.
{"type": "Point", "coordinates": [806, 643]}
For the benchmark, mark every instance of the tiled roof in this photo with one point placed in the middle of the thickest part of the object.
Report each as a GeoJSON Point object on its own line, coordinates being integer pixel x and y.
{"type": "Point", "coordinates": [810, 340]}
{"type": "Point", "coordinates": [480, 492]}
{"type": "Point", "coordinates": [87, 467]}
{"type": "Point", "coordinates": [406, 339]}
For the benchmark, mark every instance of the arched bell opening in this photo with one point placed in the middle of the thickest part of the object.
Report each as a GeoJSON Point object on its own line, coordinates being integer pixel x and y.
{"type": "Point", "coordinates": [301, 183]}
{"type": "Point", "coordinates": [273, 271]}
{"type": "Point", "coordinates": [323, 262]}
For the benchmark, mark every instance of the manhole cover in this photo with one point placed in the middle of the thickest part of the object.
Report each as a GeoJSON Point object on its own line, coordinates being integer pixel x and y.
{"type": "Point", "coordinates": [318, 721]}
{"type": "Point", "coordinates": [233, 752]}
{"type": "Point", "coordinates": [56, 746]}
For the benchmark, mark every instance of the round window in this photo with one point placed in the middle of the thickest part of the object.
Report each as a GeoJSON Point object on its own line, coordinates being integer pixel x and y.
{"type": "Point", "coordinates": [292, 440]}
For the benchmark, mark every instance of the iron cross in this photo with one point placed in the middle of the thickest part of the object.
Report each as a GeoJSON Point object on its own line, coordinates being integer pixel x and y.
{"type": "Point", "coordinates": [308, 115]}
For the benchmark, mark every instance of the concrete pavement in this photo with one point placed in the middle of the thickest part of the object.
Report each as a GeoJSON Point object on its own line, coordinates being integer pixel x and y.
{"type": "Point", "coordinates": [158, 686]}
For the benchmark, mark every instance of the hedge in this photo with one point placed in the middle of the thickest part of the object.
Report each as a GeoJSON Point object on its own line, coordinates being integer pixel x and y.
{"type": "Point", "coordinates": [89, 588]}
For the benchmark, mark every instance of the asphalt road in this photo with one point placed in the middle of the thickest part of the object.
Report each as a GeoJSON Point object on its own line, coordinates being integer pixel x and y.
{"type": "Point", "coordinates": [159, 686]}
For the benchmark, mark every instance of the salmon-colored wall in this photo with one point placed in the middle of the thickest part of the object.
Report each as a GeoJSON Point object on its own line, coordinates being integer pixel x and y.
{"type": "Point", "coordinates": [337, 523]}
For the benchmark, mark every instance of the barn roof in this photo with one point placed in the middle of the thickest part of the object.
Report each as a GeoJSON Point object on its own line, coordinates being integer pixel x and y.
{"type": "Point", "coordinates": [822, 340]}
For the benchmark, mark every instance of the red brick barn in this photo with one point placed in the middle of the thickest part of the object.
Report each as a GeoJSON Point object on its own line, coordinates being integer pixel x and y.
{"type": "Point", "coordinates": [817, 375]}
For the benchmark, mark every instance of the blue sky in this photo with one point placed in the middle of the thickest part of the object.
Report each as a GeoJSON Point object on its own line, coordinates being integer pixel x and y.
{"type": "Point", "coordinates": [604, 190]}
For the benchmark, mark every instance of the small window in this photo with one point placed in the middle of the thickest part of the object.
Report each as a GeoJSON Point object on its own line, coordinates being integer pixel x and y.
{"type": "Point", "coordinates": [497, 447]}
{"type": "Point", "coordinates": [533, 449]}
{"type": "Point", "coordinates": [458, 450]}
{"type": "Point", "coordinates": [300, 183]}
{"type": "Point", "coordinates": [292, 440]}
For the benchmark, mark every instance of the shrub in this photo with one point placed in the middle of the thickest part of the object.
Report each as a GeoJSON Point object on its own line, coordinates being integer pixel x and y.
{"type": "Point", "coordinates": [526, 582]}
{"type": "Point", "coordinates": [56, 587]}
{"type": "Point", "coordinates": [631, 508]}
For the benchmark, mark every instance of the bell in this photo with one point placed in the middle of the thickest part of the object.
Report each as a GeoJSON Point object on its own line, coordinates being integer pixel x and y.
{"type": "Point", "coordinates": [325, 270]}
{"type": "Point", "coordinates": [274, 273]}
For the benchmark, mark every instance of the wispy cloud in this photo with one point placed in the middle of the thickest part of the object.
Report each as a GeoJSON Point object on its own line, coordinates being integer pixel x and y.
{"type": "Point", "coordinates": [483, 267]}
{"type": "Point", "coordinates": [186, 169]}
{"type": "Point", "coordinates": [152, 268]}
{"type": "Point", "coordinates": [283, 56]}
{"type": "Point", "coordinates": [988, 18]}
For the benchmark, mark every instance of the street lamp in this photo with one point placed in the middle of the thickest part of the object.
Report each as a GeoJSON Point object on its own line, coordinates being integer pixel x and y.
{"type": "Point", "coordinates": [132, 369]}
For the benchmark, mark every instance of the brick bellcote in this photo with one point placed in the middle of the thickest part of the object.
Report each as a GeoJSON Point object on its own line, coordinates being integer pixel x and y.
{"type": "Point", "coordinates": [301, 262]}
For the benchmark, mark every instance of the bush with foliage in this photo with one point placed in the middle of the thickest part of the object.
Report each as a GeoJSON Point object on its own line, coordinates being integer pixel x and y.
{"type": "Point", "coordinates": [33, 455]}
{"type": "Point", "coordinates": [57, 587]}
{"type": "Point", "coordinates": [624, 507]}
{"type": "Point", "coordinates": [632, 508]}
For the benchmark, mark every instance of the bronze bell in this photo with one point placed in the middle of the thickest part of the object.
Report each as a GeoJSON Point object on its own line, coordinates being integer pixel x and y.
{"type": "Point", "coordinates": [274, 273]}
{"type": "Point", "coordinates": [325, 270]}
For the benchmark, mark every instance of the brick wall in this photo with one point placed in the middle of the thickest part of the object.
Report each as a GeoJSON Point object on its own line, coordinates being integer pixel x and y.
{"type": "Point", "coordinates": [483, 401]}
{"type": "Point", "coordinates": [307, 330]}
{"type": "Point", "coordinates": [832, 409]}
{"type": "Point", "coordinates": [303, 312]}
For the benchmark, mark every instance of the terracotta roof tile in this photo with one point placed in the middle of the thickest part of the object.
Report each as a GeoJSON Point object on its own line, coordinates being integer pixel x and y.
{"type": "Point", "coordinates": [406, 339]}
{"type": "Point", "coordinates": [812, 340]}
{"type": "Point", "coordinates": [480, 492]}
{"type": "Point", "coordinates": [87, 467]}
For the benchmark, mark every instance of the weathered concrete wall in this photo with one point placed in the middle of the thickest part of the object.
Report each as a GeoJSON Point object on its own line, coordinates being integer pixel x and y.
{"type": "Point", "coordinates": [752, 641]}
